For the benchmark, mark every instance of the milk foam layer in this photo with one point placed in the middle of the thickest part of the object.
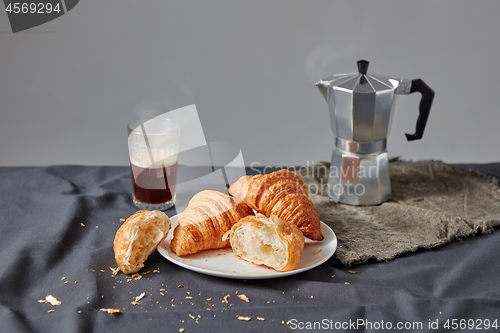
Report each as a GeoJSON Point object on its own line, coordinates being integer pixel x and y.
{"type": "Point", "coordinates": [154, 148]}
{"type": "Point", "coordinates": [162, 157]}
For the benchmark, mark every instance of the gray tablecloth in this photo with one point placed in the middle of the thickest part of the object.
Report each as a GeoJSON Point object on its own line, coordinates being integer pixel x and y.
{"type": "Point", "coordinates": [58, 223]}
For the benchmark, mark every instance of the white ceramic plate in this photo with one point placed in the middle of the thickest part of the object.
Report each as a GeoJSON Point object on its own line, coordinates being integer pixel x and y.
{"type": "Point", "coordinates": [225, 263]}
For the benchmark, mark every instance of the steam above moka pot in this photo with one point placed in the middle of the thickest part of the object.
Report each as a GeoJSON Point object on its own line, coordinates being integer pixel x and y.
{"type": "Point", "coordinates": [361, 107]}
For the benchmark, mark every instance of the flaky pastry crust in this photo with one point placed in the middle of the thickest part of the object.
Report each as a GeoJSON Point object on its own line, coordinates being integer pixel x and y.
{"type": "Point", "coordinates": [281, 193]}
{"type": "Point", "coordinates": [138, 237]}
{"type": "Point", "coordinates": [208, 216]}
{"type": "Point", "coordinates": [272, 242]}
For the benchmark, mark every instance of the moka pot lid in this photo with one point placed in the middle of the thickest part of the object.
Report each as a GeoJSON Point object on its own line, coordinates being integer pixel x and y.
{"type": "Point", "coordinates": [361, 82]}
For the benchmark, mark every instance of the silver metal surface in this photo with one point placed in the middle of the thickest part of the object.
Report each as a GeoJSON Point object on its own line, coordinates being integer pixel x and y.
{"type": "Point", "coordinates": [361, 106]}
{"type": "Point", "coordinates": [359, 179]}
{"type": "Point", "coordinates": [404, 87]}
{"type": "Point", "coordinates": [360, 147]}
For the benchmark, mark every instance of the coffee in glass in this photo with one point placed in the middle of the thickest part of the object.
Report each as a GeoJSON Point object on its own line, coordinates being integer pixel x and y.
{"type": "Point", "coordinates": [153, 149]}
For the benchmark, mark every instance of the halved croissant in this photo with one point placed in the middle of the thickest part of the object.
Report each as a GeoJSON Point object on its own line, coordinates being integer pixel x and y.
{"type": "Point", "coordinates": [281, 193]}
{"type": "Point", "coordinates": [208, 216]}
{"type": "Point", "coordinates": [267, 241]}
{"type": "Point", "coordinates": [138, 237]}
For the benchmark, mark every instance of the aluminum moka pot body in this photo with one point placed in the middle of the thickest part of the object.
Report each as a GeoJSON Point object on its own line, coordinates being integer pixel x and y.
{"type": "Point", "coordinates": [361, 107]}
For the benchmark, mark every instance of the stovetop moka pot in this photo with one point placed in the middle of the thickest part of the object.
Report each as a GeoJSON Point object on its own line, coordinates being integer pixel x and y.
{"type": "Point", "coordinates": [361, 107]}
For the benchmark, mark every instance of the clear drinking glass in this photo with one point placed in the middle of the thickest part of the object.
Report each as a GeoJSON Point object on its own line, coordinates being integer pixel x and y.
{"type": "Point", "coordinates": [153, 146]}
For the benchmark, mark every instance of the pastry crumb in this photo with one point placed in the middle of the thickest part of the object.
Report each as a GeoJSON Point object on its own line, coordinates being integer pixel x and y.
{"type": "Point", "coordinates": [260, 318]}
{"type": "Point", "coordinates": [225, 298]}
{"type": "Point", "coordinates": [244, 297]}
{"type": "Point", "coordinates": [346, 282]}
{"type": "Point", "coordinates": [114, 271]}
{"type": "Point", "coordinates": [180, 286]}
{"type": "Point", "coordinates": [63, 278]}
{"type": "Point", "coordinates": [141, 296]}
{"type": "Point", "coordinates": [50, 299]}
{"type": "Point", "coordinates": [352, 272]}
{"type": "Point", "coordinates": [318, 251]}
{"type": "Point", "coordinates": [110, 310]}
{"type": "Point", "coordinates": [135, 303]}
{"type": "Point", "coordinates": [122, 220]}
{"type": "Point", "coordinates": [243, 318]}
{"type": "Point", "coordinates": [50, 311]}
{"type": "Point", "coordinates": [181, 329]}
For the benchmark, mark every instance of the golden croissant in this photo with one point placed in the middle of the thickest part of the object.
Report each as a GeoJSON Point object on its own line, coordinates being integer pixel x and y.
{"type": "Point", "coordinates": [208, 216]}
{"type": "Point", "coordinates": [138, 237]}
{"type": "Point", "coordinates": [281, 193]}
{"type": "Point", "coordinates": [267, 241]}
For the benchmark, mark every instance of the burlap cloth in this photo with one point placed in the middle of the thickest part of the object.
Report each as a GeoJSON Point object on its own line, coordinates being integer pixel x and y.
{"type": "Point", "coordinates": [432, 203]}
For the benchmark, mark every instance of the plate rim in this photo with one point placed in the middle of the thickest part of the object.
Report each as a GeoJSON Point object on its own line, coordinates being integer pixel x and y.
{"type": "Point", "coordinates": [167, 254]}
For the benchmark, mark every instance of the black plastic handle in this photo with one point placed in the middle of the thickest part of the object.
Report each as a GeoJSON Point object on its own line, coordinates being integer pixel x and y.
{"type": "Point", "coordinates": [424, 107]}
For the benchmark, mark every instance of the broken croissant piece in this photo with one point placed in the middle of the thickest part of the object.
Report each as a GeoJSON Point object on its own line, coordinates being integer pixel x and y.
{"type": "Point", "coordinates": [138, 237]}
{"type": "Point", "coordinates": [267, 241]}
{"type": "Point", "coordinates": [281, 193]}
{"type": "Point", "coordinates": [208, 216]}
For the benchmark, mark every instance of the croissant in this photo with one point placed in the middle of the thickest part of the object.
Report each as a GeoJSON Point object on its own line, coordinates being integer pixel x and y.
{"type": "Point", "coordinates": [208, 216]}
{"type": "Point", "coordinates": [138, 237]}
{"type": "Point", "coordinates": [267, 241]}
{"type": "Point", "coordinates": [281, 193]}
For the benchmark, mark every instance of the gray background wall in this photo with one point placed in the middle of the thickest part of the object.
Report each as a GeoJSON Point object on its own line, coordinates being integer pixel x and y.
{"type": "Point", "coordinates": [69, 87]}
